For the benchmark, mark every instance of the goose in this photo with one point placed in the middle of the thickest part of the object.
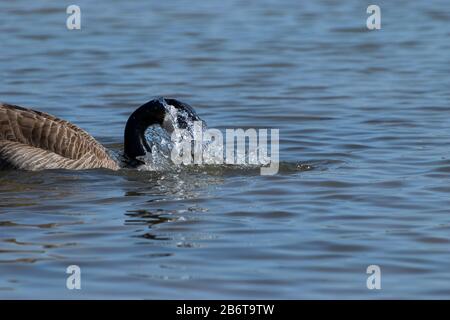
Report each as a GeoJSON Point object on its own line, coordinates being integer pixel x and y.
{"type": "Point", "coordinates": [34, 140]}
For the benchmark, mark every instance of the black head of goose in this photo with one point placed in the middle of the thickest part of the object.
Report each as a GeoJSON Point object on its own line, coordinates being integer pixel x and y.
{"type": "Point", "coordinates": [33, 140]}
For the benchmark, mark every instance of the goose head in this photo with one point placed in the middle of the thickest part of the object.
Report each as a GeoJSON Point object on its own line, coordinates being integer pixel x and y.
{"type": "Point", "coordinates": [154, 112]}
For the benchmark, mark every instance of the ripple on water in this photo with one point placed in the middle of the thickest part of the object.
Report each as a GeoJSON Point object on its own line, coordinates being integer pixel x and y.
{"type": "Point", "coordinates": [363, 177]}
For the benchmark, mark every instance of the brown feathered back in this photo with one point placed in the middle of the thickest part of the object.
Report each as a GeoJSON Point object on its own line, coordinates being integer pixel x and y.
{"type": "Point", "coordinates": [33, 140]}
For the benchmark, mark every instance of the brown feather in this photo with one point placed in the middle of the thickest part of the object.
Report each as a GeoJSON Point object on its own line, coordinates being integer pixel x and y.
{"type": "Point", "coordinates": [33, 140]}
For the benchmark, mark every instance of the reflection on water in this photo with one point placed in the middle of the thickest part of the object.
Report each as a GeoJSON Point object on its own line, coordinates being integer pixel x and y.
{"type": "Point", "coordinates": [365, 162]}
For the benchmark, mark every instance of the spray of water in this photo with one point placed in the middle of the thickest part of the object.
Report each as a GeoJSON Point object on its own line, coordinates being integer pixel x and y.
{"type": "Point", "coordinates": [162, 143]}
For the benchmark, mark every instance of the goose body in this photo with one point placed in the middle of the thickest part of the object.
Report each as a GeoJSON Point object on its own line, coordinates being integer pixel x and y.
{"type": "Point", "coordinates": [34, 140]}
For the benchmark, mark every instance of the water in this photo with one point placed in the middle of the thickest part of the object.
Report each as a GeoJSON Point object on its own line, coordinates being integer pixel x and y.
{"type": "Point", "coordinates": [366, 110]}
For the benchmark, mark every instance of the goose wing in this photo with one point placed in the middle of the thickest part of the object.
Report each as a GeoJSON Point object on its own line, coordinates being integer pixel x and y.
{"type": "Point", "coordinates": [34, 140]}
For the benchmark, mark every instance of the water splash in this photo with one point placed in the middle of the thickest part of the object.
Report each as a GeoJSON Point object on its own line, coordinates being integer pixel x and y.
{"type": "Point", "coordinates": [163, 144]}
